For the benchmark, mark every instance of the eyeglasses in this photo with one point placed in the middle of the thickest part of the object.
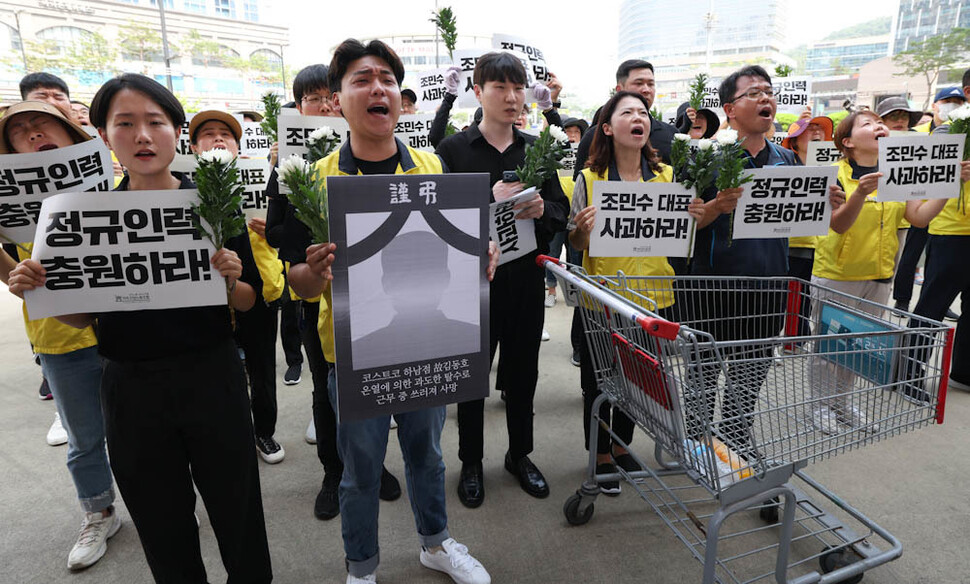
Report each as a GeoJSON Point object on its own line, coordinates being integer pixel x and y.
{"type": "Point", "coordinates": [314, 100]}
{"type": "Point", "coordinates": [756, 93]}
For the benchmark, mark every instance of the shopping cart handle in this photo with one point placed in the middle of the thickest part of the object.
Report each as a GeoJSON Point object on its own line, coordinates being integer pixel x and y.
{"type": "Point", "coordinates": [542, 259]}
{"type": "Point", "coordinates": [658, 327]}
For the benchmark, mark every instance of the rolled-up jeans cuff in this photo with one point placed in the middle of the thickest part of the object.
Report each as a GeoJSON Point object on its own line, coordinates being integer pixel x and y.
{"type": "Point", "coordinates": [364, 567]}
{"type": "Point", "coordinates": [430, 541]}
{"type": "Point", "coordinates": [99, 502]}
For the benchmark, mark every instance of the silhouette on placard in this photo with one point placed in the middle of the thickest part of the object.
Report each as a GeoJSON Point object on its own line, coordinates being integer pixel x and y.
{"type": "Point", "coordinates": [415, 275]}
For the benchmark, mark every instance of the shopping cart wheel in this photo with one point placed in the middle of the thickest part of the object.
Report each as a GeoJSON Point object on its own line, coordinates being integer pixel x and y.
{"type": "Point", "coordinates": [571, 510]}
{"type": "Point", "coordinates": [836, 558]}
{"type": "Point", "coordinates": [769, 510]}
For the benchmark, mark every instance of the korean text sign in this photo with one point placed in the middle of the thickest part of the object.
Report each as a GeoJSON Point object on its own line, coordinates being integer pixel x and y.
{"type": "Point", "coordinates": [926, 167]}
{"type": "Point", "coordinates": [785, 201]}
{"type": "Point", "coordinates": [515, 237]}
{"type": "Point", "coordinates": [641, 219]}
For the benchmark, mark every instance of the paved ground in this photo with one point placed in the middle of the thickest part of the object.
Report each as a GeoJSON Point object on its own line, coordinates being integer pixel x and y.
{"type": "Point", "coordinates": [915, 485]}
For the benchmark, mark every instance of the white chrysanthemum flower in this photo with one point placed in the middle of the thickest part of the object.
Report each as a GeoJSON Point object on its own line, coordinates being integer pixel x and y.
{"type": "Point", "coordinates": [294, 163]}
{"type": "Point", "coordinates": [727, 137]}
{"type": "Point", "coordinates": [704, 144]}
{"type": "Point", "coordinates": [321, 133]}
{"type": "Point", "coordinates": [558, 134]}
{"type": "Point", "coordinates": [216, 155]}
{"type": "Point", "coordinates": [682, 137]}
{"type": "Point", "coordinates": [961, 113]}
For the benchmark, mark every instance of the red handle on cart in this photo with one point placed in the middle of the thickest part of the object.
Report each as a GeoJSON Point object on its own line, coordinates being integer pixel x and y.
{"type": "Point", "coordinates": [658, 327]}
{"type": "Point", "coordinates": [542, 259]}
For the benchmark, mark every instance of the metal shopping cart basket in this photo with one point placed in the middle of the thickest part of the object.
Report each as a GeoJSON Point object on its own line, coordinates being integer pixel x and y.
{"type": "Point", "coordinates": [741, 383]}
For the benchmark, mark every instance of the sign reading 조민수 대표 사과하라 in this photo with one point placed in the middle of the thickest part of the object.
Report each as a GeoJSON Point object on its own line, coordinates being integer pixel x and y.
{"type": "Point", "coordinates": [641, 219]}
{"type": "Point", "coordinates": [920, 167]}
{"type": "Point", "coordinates": [822, 154]}
{"type": "Point", "coordinates": [409, 291]}
{"type": "Point", "coordinates": [431, 89]}
{"type": "Point", "coordinates": [253, 174]}
{"type": "Point", "coordinates": [254, 143]}
{"type": "Point", "coordinates": [119, 251]}
{"type": "Point", "coordinates": [27, 179]}
{"type": "Point", "coordinates": [785, 201]}
{"type": "Point", "coordinates": [515, 237]}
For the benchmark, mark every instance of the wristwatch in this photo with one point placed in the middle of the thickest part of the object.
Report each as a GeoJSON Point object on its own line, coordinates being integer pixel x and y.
{"type": "Point", "coordinates": [557, 104]}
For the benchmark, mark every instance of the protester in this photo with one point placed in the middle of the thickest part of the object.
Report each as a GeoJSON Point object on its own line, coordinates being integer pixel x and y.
{"type": "Point", "coordinates": [946, 100]}
{"type": "Point", "coordinates": [68, 355]}
{"type": "Point", "coordinates": [49, 88]}
{"type": "Point", "coordinates": [702, 123]}
{"type": "Point", "coordinates": [409, 99]}
{"type": "Point", "coordinates": [574, 129]}
{"type": "Point", "coordinates": [620, 151]}
{"type": "Point", "coordinates": [897, 115]}
{"type": "Point", "coordinates": [516, 300]}
{"type": "Point", "coordinates": [173, 389]}
{"type": "Point", "coordinates": [81, 112]}
{"type": "Point", "coordinates": [365, 81]}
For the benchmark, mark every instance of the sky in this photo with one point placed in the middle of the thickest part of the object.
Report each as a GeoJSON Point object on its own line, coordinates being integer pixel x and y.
{"type": "Point", "coordinates": [580, 45]}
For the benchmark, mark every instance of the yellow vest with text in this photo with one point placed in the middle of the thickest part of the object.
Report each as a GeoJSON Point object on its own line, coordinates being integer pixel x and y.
{"type": "Point", "coordinates": [269, 265]}
{"type": "Point", "coordinates": [954, 219]}
{"type": "Point", "coordinates": [424, 163]}
{"type": "Point", "coordinates": [662, 292]}
{"type": "Point", "coordinates": [867, 250]}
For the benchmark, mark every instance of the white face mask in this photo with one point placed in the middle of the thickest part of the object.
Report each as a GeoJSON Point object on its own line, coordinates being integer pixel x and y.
{"type": "Point", "coordinates": [943, 110]}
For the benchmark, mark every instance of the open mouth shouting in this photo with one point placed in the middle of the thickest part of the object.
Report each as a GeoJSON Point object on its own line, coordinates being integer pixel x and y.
{"type": "Point", "coordinates": [45, 147]}
{"type": "Point", "coordinates": [764, 112]}
{"type": "Point", "coordinates": [144, 154]}
{"type": "Point", "coordinates": [378, 110]}
{"type": "Point", "coordinates": [637, 130]}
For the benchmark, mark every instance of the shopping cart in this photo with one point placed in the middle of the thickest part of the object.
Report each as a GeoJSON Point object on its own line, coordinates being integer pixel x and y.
{"type": "Point", "coordinates": [801, 373]}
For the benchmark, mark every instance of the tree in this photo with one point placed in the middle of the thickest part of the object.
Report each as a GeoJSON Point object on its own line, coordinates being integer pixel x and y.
{"type": "Point", "coordinates": [928, 57]}
{"type": "Point", "coordinates": [43, 55]}
{"type": "Point", "coordinates": [203, 49]}
{"type": "Point", "coordinates": [139, 43]}
{"type": "Point", "coordinates": [783, 70]}
{"type": "Point", "coordinates": [91, 53]}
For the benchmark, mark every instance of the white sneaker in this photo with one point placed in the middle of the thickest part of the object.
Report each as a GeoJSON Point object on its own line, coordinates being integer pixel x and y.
{"type": "Point", "coordinates": [550, 300]}
{"type": "Point", "coordinates": [57, 435]}
{"type": "Point", "coordinates": [311, 433]}
{"type": "Point", "coordinates": [370, 578]}
{"type": "Point", "coordinates": [455, 561]}
{"type": "Point", "coordinates": [856, 418]}
{"type": "Point", "coordinates": [825, 420]}
{"type": "Point", "coordinates": [92, 541]}
{"type": "Point", "coordinates": [545, 335]}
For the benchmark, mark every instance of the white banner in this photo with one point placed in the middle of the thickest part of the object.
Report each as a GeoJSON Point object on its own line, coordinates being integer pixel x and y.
{"type": "Point", "coordinates": [467, 58]}
{"type": "Point", "coordinates": [430, 89]}
{"type": "Point", "coordinates": [537, 61]}
{"type": "Point", "coordinates": [822, 154]}
{"type": "Point", "coordinates": [569, 161]}
{"type": "Point", "coordinates": [255, 143]}
{"type": "Point", "coordinates": [792, 94]}
{"type": "Point", "coordinates": [920, 167]}
{"type": "Point", "coordinates": [27, 179]}
{"type": "Point", "coordinates": [785, 201]}
{"type": "Point", "coordinates": [253, 173]}
{"type": "Point", "coordinates": [515, 237]}
{"type": "Point", "coordinates": [414, 130]}
{"type": "Point", "coordinates": [641, 219]}
{"type": "Point", "coordinates": [132, 250]}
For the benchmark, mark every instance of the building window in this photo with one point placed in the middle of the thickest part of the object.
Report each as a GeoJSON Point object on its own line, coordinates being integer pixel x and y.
{"type": "Point", "coordinates": [272, 57]}
{"type": "Point", "coordinates": [194, 6]}
{"type": "Point", "coordinates": [251, 10]}
{"type": "Point", "coordinates": [169, 4]}
{"type": "Point", "coordinates": [12, 36]}
{"type": "Point", "coordinates": [218, 58]}
{"type": "Point", "coordinates": [225, 8]}
{"type": "Point", "coordinates": [63, 37]}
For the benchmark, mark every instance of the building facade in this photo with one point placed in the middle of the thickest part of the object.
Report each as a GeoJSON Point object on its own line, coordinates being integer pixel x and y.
{"type": "Point", "coordinates": [917, 20]}
{"type": "Point", "coordinates": [222, 52]}
{"type": "Point", "coordinates": [844, 56]}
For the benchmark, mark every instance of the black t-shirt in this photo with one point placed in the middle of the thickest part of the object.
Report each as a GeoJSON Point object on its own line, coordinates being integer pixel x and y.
{"type": "Point", "coordinates": [386, 166]}
{"type": "Point", "coordinates": [146, 335]}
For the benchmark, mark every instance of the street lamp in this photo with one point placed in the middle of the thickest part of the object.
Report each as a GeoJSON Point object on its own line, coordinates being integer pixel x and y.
{"type": "Point", "coordinates": [165, 52]}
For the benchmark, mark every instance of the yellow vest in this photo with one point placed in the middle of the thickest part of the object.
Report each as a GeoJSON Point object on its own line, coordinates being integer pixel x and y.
{"type": "Point", "coordinates": [925, 128]}
{"type": "Point", "coordinates": [424, 163]}
{"type": "Point", "coordinates": [954, 219]}
{"type": "Point", "coordinates": [269, 266]}
{"type": "Point", "coordinates": [293, 295]}
{"type": "Point", "coordinates": [809, 241]}
{"type": "Point", "coordinates": [867, 250]}
{"type": "Point", "coordinates": [52, 337]}
{"type": "Point", "coordinates": [663, 293]}
{"type": "Point", "coordinates": [567, 183]}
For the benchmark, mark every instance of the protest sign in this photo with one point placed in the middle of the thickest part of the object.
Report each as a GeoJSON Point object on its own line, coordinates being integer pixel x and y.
{"type": "Point", "coordinates": [641, 219]}
{"type": "Point", "coordinates": [568, 161]}
{"type": "Point", "coordinates": [430, 89]}
{"type": "Point", "coordinates": [537, 61]}
{"type": "Point", "coordinates": [466, 60]}
{"type": "Point", "coordinates": [785, 201]}
{"type": "Point", "coordinates": [778, 137]}
{"type": "Point", "coordinates": [253, 174]}
{"type": "Point", "coordinates": [255, 143]}
{"type": "Point", "coordinates": [822, 154]}
{"type": "Point", "coordinates": [916, 168]}
{"type": "Point", "coordinates": [27, 179]}
{"type": "Point", "coordinates": [131, 250]}
{"type": "Point", "coordinates": [791, 94]}
{"type": "Point", "coordinates": [414, 130]}
{"type": "Point", "coordinates": [410, 296]}
{"type": "Point", "coordinates": [515, 237]}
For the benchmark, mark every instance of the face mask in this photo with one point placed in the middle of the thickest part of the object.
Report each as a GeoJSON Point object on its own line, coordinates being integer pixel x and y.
{"type": "Point", "coordinates": [943, 110]}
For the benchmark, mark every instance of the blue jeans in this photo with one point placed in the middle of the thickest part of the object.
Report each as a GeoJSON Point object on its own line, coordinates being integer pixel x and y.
{"type": "Point", "coordinates": [574, 257]}
{"type": "Point", "coordinates": [75, 381]}
{"type": "Point", "coordinates": [362, 445]}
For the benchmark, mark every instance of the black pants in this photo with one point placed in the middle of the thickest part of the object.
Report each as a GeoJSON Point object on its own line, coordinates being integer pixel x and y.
{"type": "Point", "coordinates": [916, 239]}
{"type": "Point", "coordinates": [290, 329]}
{"type": "Point", "coordinates": [256, 334]}
{"type": "Point", "coordinates": [324, 418]}
{"type": "Point", "coordinates": [946, 276]}
{"type": "Point", "coordinates": [515, 320]}
{"type": "Point", "coordinates": [176, 421]}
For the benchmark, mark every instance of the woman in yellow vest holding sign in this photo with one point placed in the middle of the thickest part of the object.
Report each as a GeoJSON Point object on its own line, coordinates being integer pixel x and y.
{"type": "Point", "coordinates": [857, 256]}
{"type": "Point", "coordinates": [621, 151]}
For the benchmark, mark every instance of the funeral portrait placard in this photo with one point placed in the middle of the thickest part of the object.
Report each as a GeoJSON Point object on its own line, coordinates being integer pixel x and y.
{"type": "Point", "coordinates": [515, 237]}
{"type": "Point", "coordinates": [409, 291]}
{"type": "Point", "coordinates": [785, 201]}
{"type": "Point", "coordinates": [916, 168]}
{"type": "Point", "coordinates": [132, 250]}
{"type": "Point", "coordinates": [641, 219]}
{"type": "Point", "coordinates": [27, 179]}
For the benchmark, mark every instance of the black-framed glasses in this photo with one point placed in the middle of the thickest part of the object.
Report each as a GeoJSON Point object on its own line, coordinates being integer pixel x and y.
{"type": "Point", "coordinates": [756, 93]}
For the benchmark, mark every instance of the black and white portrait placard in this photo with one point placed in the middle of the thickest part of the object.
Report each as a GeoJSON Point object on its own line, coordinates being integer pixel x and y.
{"type": "Point", "coordinates": [785, 201]}
{"type": "Point", "coordinates": [920, 167]}
{"type": "Point", "coordinates": [409, 291]}
{"type": "Point", "coordinates": [119, 251]}
{"type": "Point", "coordinates": [27, 179]}
{"type": "Point", "coordinates": [641, 219]}
{"type": "Point", "coordinates": [515, 237]}
{"type": "Point", "coordinates": [822, 154]}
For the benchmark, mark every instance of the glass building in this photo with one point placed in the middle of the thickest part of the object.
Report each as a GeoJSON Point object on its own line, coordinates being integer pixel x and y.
{"type": "Point", "coordinates": [843, 57]}
{"type": "Point", "coordinates": [919, 19]}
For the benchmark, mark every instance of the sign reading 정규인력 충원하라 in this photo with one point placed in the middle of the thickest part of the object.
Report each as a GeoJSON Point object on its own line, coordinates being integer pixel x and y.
{"type": "Point", "coordinates": [785, 201]}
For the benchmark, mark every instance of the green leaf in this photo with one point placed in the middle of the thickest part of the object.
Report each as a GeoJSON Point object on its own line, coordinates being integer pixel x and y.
{"type": "Point", "coordinates": [272, 105]}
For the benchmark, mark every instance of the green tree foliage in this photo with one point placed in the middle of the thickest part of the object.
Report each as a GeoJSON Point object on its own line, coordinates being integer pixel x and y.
{"type": "Point", "coordinates": [92, 52]}
{"type": "Point", "coordinates": [927, 58]}
{"type": "Point", "coordinates": [203, 49]}
{"type": "Point", "coordinates": [875, 27]}
{"type": "Point", "coordinates": [444, 19]}
{"type": "Point", "coordinates": [784, 70]}
{"type": "Point", "coordinates": [140, 43]}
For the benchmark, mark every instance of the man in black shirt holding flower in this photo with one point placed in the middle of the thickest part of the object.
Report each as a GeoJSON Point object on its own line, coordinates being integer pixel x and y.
{"type": "Point", "coordinates": [494, 146]}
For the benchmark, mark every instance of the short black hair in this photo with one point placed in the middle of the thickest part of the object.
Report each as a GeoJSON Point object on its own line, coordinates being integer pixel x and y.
{"type": "Point", "coordinates": [74, 101]}
{"type": "Point", "coordinates": [623, 71]}
{"type": "Point", "coordinates": [352, 49]}
{"type": "Point", "coordinates": [310, 78]}
{"type": "Point", "coordinates": [409, 93]}
{"type": "Point", "coordinates": [498, 66]}
{"type": "Point", "coordinates": [730, 84]}
{"type": "Point", "coordinates": [966, 80]}
{"type": "Point", "coordinates": [32, 81]}
{"type": "Point", "coordinates": [152, 89]}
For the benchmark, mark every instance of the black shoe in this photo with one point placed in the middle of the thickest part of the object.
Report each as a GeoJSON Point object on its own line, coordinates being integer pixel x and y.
{"type": "Point", "coordinates": [575, 358]}
{"type": "Point", "coordinates": [45, 390]}
{"type": "Point", "coordinates": [950, 315]}
{"type": "Point", "coordinates": [611, 488]}
{"type": "Point", "coordinates": [269, 449]}
{"type": "Point", "coordinates": [293, 374]}
{"type": "Point", "coordinates": [390, 488]}
{"type": "Point", "coordinates": [327, 505]}
{"type": "Point", "coordinates": [627, 463]}
{"type": "Point", "coordinates": [530, 479]}
{"type": "Point", "coordinates": [471, 485]}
